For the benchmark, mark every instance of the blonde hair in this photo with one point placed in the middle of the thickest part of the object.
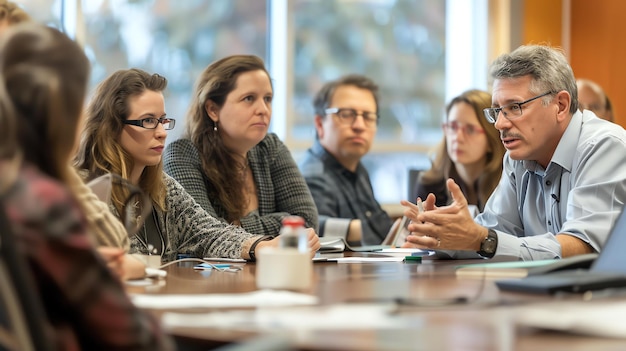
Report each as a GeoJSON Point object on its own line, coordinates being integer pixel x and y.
{"type": "Point", "coordinates": [11, 13]}
{"type": "Point", "coordinates": [100, 151]}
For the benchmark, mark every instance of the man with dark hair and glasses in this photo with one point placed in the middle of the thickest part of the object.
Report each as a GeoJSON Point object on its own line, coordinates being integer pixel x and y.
{"type": "Point", "coordinates": [564, 174]}
{"type": "Point", "coordinates": [346, 120]}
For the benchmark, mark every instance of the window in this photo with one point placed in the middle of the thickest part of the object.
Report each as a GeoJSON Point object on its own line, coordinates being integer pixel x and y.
{"type": "Point", "coordinates": [176, 39]}
{"type": "Point", "coordinates": [420, 52]}
{"type": "Point", "coordinates": [399, 44]}
{"type": "Point", "coordinates": [43, 11]}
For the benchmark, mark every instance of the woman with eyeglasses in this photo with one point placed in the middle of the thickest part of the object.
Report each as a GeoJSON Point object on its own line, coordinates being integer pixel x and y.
{"type": "Point", "coordinates": [226, 159]}
{"type": "Point", "coordinates": [125, 135]}
{"type": "Point", "coordinates": [43, 80]}
{"type": "Point", "coordinates": [470, 153]}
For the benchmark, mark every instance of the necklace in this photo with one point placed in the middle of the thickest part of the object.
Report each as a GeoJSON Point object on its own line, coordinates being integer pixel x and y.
{"type": "Point", "coordinates": [153, 239]}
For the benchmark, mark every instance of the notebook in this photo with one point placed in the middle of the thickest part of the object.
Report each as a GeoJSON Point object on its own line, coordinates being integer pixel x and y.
{"type": "Point", "coordinates": [520, 269]}
{"type": "Point", "coordinates": [607, 271]}
{"type": "Point", "coordinates": [398, 232]}
{"type": "Point", "coordinates": [336, 244]}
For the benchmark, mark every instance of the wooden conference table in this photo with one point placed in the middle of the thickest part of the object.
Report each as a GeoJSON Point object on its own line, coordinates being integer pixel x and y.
{"type": "Point", "coordinates": [450, 313]}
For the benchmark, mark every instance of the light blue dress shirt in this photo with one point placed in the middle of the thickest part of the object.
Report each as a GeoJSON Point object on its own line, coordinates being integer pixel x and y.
{"type": "Point", "coordinates": [580, 193]}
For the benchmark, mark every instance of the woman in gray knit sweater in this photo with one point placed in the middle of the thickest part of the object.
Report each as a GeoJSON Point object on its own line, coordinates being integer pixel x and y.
{"type": "Point", "coordinates": [125, 134]}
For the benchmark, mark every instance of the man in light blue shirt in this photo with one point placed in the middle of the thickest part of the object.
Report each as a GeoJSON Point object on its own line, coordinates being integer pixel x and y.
{"type": "Point", "coordinates": [564, 173]}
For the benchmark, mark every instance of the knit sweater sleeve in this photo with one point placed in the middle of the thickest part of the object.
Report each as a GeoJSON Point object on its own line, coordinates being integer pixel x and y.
{"type": "Point", "coordinates": [192, 231]}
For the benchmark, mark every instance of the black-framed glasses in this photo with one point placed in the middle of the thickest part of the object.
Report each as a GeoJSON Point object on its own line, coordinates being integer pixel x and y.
{"type": "Point", "coordinates": [349, 115]}
{"type": "Point", "coordinates": [510, 111]}
{"type": "Point", "coordinates": [152, 122]}
{"type": "Point", "coordinates": [467, 129]}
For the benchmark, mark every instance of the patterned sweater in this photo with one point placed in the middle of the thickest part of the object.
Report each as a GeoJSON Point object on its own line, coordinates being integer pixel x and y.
{"type": "Point", "coordinates": [281, 189]}
{"type": "Point", "coordinates": [190, 230]}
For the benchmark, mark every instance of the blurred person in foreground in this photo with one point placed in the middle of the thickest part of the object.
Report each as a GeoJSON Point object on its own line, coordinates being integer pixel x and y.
{"type": "Point", "coordinates": [105, 230]}
{"type": "Point", "coordinates": [43, 86]}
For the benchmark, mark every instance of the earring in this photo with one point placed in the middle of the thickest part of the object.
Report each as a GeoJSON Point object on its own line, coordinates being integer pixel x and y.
{"type": "Point", "coordinates": [215, 127]}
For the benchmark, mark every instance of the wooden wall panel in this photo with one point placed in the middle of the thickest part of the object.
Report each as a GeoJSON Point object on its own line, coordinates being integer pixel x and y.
{"type": "Point", "coordinates": [542, 22]}
{"type": "Point", "coordinates": [598, 47]}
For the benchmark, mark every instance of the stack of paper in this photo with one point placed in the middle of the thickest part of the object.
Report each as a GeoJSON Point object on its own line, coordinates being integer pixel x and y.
{"type": "Point", "coordinates": [599, 318]}
{"type": "Point", "coordinates": [260, 298]}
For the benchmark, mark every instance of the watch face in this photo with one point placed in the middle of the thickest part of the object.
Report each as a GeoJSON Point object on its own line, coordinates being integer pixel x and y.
{"type": "Point", "coordinates": [489, 245]}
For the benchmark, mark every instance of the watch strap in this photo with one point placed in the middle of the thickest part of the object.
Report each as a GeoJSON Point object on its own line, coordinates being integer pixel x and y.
{"type": "Point", "coordinates": [489, 245]}
{"type": "Point", "coordinates": [252, 250]}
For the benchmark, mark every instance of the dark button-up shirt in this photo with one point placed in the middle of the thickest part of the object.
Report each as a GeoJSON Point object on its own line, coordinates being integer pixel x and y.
{"type": "Point", "coordinates": [341, 196]}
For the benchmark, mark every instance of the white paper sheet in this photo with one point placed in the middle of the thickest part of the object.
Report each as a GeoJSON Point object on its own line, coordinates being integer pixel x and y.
{"type": "Point", "coordinates": [598, 318]}
{"type": "Point", "coordinates": [366, 259]}
{"type": "Point", "coordinates": [251, 299]}
{"type": "Point", "coordinates": [406, 252]}
{"type": "Point", "coordinates": [334, 317]}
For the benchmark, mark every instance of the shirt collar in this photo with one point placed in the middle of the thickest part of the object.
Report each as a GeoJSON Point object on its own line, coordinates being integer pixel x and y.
{"type": "Point", "coordinates": [326, 157]}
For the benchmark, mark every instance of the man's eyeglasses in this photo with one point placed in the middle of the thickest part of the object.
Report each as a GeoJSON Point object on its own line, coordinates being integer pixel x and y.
{"type": "Point", "coordinates": [348, 116]}
{"type": "Point", "coordinates": [510, 111]}
{"type": "Point", "coordinates": [152, 123]}
{"type": "Point", "coordinates": [467, 129]}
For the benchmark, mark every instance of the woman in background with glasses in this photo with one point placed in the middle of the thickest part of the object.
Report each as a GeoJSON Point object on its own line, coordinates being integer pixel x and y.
{"type": "Point", "coordinates": [228, 162]}
{"type": "Point", "coordinates": [471, 153]}
{"type": "Point", "coordinates": [125, 135]}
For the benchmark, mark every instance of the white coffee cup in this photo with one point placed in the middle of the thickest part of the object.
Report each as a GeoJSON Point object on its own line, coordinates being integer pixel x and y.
{"type": "Point", "coordinates": [151, 261]}
{"type": "Point", "coordinates": [283, 268]}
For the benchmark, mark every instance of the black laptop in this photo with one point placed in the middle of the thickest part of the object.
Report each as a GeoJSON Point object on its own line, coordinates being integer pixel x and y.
{"type": "Point", "coordinates": [607, 271]}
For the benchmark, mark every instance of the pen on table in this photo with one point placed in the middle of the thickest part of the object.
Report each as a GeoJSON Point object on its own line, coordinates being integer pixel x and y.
{"type": "Point", "coordinates": [413, 259]}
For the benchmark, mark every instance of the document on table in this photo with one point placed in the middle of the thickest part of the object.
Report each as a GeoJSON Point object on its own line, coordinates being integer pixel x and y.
{"type": "Point", "coordinates": [397, 251]}
{"type": "Point", "coordinates": [332, 317]}
{"type": "Point", "coordinates": [598, 318]}
{"type": "Point", "coordinates": [251, 299]}
{"type": "Point", "coordinates": [366, 259]}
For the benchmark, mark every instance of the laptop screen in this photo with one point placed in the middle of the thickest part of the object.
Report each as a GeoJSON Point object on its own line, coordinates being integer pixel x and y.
{"type": "Point", "coordinates": [612, 258]}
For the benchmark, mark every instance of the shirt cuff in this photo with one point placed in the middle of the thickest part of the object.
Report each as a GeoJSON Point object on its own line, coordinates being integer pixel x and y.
{"type": "Point", "coordinates": [508, 245]}
{"type": "Point", "coordinates": [538, 247]}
